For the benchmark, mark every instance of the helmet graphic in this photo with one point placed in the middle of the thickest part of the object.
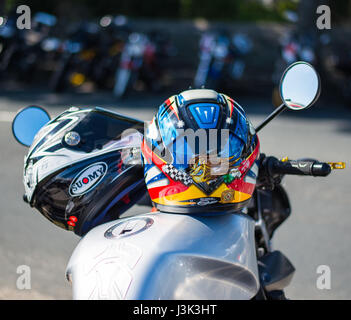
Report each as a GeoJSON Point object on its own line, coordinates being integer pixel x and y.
{"type": "Point", "coordinates": [200, 151]}
{"type": "Point", "coordinates": [77, 172]}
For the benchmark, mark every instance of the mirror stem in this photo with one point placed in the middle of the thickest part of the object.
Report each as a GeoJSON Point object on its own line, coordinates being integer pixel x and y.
{"type": "Point", "coordinates": [277, 111]}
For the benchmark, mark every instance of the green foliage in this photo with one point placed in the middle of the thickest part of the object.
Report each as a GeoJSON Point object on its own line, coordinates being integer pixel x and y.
{"type": "Point", "coordinates": [228, 10]}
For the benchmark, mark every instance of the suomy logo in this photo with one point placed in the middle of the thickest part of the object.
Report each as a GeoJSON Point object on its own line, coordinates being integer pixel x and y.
{"type": "Point", "coordinates": [88, 179]}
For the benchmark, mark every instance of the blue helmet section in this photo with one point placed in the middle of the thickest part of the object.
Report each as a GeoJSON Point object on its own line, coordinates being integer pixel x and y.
{"type": "Point", "coordinates": [205, 114]}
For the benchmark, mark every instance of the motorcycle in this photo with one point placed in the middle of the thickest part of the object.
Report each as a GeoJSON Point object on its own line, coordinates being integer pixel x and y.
{"type": "Point", "coordinates": [114, 35]}
{"type": "Point", "coordinates": [79, 54]}
{"type": "Point", "coordinates": [293, 47]}
{"type": "Point", "coordinates": [25, 48]}
{"type": "Point", "coordinates": [224, 256]}
{"type": "Point", "coordinates": [142, 62]}
{"type": "Point", "coordinates": [8, 32]}
{"type": "Point", "coordinates": [221, 59]}
{"type": "Point", "coordinates": [336, 64]}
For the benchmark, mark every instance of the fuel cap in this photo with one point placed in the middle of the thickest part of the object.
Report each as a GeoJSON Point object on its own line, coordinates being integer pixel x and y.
{"type": "Point", "coordinates": [128, 227]}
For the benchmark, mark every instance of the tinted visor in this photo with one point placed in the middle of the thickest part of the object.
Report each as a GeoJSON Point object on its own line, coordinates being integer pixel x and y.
{"type": "Point", "coordinates": [101, 129]}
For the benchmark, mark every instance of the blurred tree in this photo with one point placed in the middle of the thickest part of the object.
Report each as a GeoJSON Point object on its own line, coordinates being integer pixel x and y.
{"type": "Point", "coordinates": [341, 10]}
{"type": "Point", "coordinates": [2, 7]}
{"type": "Point", "coordinates": [307, 14]}
{"type": "Point", "coordinates": [230, 10]}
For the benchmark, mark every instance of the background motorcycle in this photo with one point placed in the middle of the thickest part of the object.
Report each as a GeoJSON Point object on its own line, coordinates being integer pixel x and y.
{"type": "Point", "coordinates": [221, 59]}
{"type": "Point", "coordinates": [228, 256]}
{"type": "Point", "coordinates": [335, 59]}
{"type": "Point", "coordinates": [79, 54]}
{"type": "Point", "coordinates": [113, 36]}
{"type": "Point", "coordinates": [8, 31]}
{"type": "Point", "coordinates": [293, 47]}
{"type": "Point", "coordinates": [142, 62]}
{"type": "Point", "coordinates": [26, 49]}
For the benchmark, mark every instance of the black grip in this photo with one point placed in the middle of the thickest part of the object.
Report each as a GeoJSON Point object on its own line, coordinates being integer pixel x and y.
{"type": "Point", "coordinates": [300, 167]}
{"type": "Point", "coordinates": [321, 169]}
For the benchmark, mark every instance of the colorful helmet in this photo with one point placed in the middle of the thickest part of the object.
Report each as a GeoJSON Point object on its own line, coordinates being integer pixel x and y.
{"type": "Point", "coordinates": [77, 172]}
{"type": "Point", "coordinates": [200, 154]}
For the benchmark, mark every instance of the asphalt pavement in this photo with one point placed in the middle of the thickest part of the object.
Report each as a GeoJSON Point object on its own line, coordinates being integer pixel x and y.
{"type": "Point", "coordinates": [317, 232]}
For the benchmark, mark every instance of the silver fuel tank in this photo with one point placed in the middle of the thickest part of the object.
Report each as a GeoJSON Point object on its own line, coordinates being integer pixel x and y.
{"type": "Point", "coordinates": [167, 256]}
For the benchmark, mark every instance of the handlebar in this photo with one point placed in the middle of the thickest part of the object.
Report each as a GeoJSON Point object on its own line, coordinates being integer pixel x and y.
{"type": "Point", "coordinates": [301, 167]}
{"type": "Point", "coordinates": [272, 170]}
{"type": "Point", "coordinates": [298, 167]}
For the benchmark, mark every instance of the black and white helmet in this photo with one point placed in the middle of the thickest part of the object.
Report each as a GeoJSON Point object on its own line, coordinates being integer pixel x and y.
{"type": "Point", "coordinates": [76, 172]}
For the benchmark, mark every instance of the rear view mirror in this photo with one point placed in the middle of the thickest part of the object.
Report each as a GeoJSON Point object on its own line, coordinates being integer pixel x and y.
{"type": "Point", "coordinates": [299, 89]}
{"type": "Point", "coordinates": [27, 123]}
{"type": "Point", "coordinates": [299, 86]}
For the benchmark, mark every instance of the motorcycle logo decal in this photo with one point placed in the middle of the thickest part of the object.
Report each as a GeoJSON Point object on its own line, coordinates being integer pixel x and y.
{"type": "Point", "coordinates": [110, 271]}
{"type": "Point", "coordinates": [88, 179]}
